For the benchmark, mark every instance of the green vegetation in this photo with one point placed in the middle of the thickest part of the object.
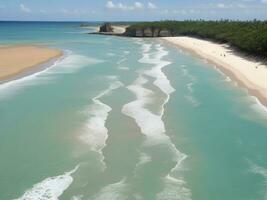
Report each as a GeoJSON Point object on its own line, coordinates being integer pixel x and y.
{"type": "Point", "coordinates": [247, 36]}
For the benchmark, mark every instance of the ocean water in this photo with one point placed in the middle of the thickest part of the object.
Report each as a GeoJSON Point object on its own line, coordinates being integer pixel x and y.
{"type": "Point", "coordinates": [125, 118]}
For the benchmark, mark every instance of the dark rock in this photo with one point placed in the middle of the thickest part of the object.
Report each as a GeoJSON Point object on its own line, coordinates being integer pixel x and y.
{"type": "Point", "coordinates": [106, 28]}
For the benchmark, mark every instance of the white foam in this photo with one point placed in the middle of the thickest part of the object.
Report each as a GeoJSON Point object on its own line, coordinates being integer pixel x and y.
{"type": "Point", "coordinates": [138, 41]}
{"type": "Point", "coordinates": [192, 100]}
{"type": "Point", "coordinates": [190, 97]}
{"type": "Point", "coordinates": [227, 79]}
{"type": "Point", "coordinates": [77, 197]}
{"type": "Point", "coordinates": [151, 125]}
{"type": "Point", "coordinates": [161, 81]}
{"type": "Point", "coordinates": [144, 158]}
{"type": "Point", "coordinates": [137, 197]}
{"type": "Point", "coordinates": [51, 188]}
{"type": "Point", "coordinates": [260, 171]}
{"type": "Point", "coordinates": [123, 59]}
{"type": "Point", "coordinates": [110, 54]}
{"type": "Point", "coordinates": [115, 191]}
{"type": "Point", "coordinates": [258, 107]}
{"type": "Point", "coordinates": [146, 47]}
{"type": "Point", "coordinates": [190, 87]}
{"type": "Point", "coordinates": [96, 133]}
{"type": "Point", "coordinates": [73, 63]}
{"type": "Point", "coordinates": [219, 70]}
{"type": "Point", "coordinates": [184, 71]}
{"type": "Point", "coordinates": [124, 68]}
{"type": "Point", "coordinates": [175, 187]}
{"type": "Point", "coordinates": [174, 190]}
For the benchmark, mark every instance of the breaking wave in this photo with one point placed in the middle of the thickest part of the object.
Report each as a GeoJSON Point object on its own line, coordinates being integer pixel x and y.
{"type": "Point", "coordinates": [51, 188]}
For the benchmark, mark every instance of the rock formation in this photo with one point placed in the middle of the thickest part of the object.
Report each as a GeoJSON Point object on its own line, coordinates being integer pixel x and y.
{"type": "Point", "coordinates": [148, 32]}
{"type": "Point", "coordinates": [106, 28]}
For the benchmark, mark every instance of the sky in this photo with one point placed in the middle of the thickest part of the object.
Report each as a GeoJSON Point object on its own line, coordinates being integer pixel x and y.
{"type": "Point", "coordinates": [131, 10]}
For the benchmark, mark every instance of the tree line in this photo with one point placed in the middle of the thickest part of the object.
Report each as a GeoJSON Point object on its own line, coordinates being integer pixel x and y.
{"type": "Point", "coordinates": [247, 36]}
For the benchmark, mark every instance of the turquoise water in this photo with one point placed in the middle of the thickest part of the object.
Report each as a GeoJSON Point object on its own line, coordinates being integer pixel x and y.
{"type": "Point", "coordinates": [123, 118]}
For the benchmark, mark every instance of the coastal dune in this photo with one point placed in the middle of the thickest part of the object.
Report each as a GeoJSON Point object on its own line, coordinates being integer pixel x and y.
{"type": "Point", "coordinates": [248, 73]}
{"type": "Point", "coordinates": [16, 60]}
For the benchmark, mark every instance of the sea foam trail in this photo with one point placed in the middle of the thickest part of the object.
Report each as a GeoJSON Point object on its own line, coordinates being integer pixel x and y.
{"type": "Point", "coordinates": [153, 127]}
{"type": "Point", "coordinates": [96, 132]}
{"type": "Point", "coordinates": [156, 59]}
{"type": "Point", "coordinates": [152, 124]}
{"type": "Point", "coordinates": [115, 191]}
{"type": "Point", "coordinates": [122, 59]}
{"type": "Point", "coordinates": [161, 80]}
{"type": "Point", "coordinates": [51, 188]}
{"type": "Point", "coordinates": [190, 87]}
{"type": "Point", "coordinates": [73, 63]}
{"type": "Point", "coordinates": [257, 106]}
{"type": "Point", "coordinates": [256, 169]}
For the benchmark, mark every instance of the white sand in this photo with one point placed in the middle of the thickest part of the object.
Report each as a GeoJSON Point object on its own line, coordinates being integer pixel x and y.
{"type": "Point", "coordinates": [249, 73]}
{"type": "Point", "coordinates": [119, 29]}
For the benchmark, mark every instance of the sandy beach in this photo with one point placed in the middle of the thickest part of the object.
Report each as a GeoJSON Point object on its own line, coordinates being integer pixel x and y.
{"type": "Point", "coordinates": [119, 29]}
{"type": "Point", "coordinates": [248, 73]}
{"type": "Point", "coordinates": [15, 60]}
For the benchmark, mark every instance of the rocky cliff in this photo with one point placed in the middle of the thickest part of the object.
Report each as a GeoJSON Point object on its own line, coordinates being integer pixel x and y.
{"type": "Point", "coordinates": [148, 32]}
{"type": "Point", "coordinates": [106, 28]}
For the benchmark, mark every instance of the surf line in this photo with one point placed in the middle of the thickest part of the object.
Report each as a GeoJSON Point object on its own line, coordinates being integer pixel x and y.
{"type": "Point", "coordinates": [152, 125]}
{"type": "Point", "coordinates": [96, 132]}
{"type": "Point", "coordinates": [121, 60]}
{"type": "Point", "coordinates": [118, 190]}
{"type": "Point", "coordinates": [50, 188]}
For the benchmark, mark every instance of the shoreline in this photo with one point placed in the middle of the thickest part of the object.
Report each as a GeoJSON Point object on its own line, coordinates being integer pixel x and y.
{"type": "Point", "coordinates": [248, 74]}
{"type": "Point", "coordinates": [33, 70]}
{"type": "Point", "coordinates": [19, 61]}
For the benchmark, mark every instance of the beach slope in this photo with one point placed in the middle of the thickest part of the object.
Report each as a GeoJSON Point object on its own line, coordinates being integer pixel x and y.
{"type": "Point", "coordinates": [16, 60]}
{"type": "Point", "coordinates": [247, 72]}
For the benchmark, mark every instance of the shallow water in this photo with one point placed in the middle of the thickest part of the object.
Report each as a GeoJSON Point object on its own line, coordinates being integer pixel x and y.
{"type": "Point", "coordinates": [124, 118]}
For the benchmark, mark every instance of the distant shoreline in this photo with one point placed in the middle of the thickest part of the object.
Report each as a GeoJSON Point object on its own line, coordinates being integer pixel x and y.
{"type": "Point", "coordinates": [21, 60]}
{"type": "Point", "coordinates": [248, 73]}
